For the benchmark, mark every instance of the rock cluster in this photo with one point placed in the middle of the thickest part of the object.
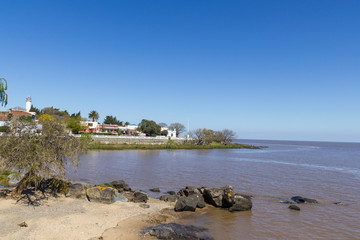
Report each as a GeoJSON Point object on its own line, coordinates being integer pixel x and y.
{"type": "Point", "coordinates": [191, 198]}
{"type": "Point", "coordinates": [106, 193]}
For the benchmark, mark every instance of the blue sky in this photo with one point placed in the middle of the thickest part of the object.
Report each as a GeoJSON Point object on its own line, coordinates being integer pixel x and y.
{"type": "Point", "coordinates": [265, 69]}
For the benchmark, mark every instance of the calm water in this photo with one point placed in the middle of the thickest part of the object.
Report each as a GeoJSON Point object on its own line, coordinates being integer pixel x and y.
{"type": "Point", "coordinates": [328, 172]}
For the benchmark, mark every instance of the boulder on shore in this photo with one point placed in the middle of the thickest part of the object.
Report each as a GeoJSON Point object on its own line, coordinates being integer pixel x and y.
{"type": "Point", "coordinates": [101, 194]}
{"type": "Point", "coordinates": [140, 197]}
{"type": "Point", "coordinates": [189, 203]}
{"type": "Point", "coordinates": [120, 185]}
{"type": "Point", "coordinates": [241, 203]}
{"type": "Point", "coordinates": [219, 197]}
{"type": "Point", "coordinates": [187, 191]}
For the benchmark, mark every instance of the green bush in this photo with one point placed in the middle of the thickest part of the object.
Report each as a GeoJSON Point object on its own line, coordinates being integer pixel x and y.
{"type": "Point", "coordinates": [5, 129]}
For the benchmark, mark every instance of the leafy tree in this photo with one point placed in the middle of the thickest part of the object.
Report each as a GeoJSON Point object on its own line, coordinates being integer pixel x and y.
{"type": "Point", "coordinates": [112, 120]}
{"type": "Point", "coordinates": [164, 132]}
{"type": "Point", "coordinates": [127, 123]}
{"type": "Point", "coordinates": [178, 127]}
{"type": "Point", "coordinates": [208, 136]}
{"type": "Point", "coordinates": [74, 124]}
{"type": "Point", "coordinates": [94, 115]}
{"type": "Point", "coordinates": [149, 127]}
{"type": "Point", "coordinates": [3, 94]}
{"type": "Point", "coordinates": [46, 117]}
{"type": "Point", "coordinates": [74, 115]}
{"type": "Point", "coordinates": [226, 136]}
{"type": "Point", "coordinates": [39, 156]}
{"type": "Point", "coordinates": [35, 110]}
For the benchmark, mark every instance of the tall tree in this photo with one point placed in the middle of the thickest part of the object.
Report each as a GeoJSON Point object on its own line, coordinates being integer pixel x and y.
{"type": "Point", "coordinates": [40, 156]}
{"type": "Point", "coordinates": [149, 127]}
{"type": "Point", "coordinates": [3, 94]}
{"type": "Point", "coordinates": [112, 120]}
{"type": "Point", "coordinates": [74, 124]}
{"type": "Point", "coordinates": [178, 127]}
{"type": "Point", "coordinates": [93, 115]}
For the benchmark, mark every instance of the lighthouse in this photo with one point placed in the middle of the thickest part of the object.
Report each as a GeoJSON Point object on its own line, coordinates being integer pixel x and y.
{"type": "Point", "coordinates": [28, 104]}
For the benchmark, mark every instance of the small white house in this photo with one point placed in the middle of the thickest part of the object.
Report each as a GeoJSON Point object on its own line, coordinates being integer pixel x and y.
{"type": "Point", "coordinates": [92, 125]}
{"type": "Point", "coordinates": [171, 132]}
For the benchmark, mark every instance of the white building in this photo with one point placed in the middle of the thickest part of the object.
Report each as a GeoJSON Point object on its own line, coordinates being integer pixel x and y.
{"type": "Point", "coordinates": [171, 132]}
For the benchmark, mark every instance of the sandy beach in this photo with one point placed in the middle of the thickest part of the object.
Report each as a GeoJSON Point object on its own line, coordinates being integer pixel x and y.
{"type": "Point", "coordinates": [67, 218]}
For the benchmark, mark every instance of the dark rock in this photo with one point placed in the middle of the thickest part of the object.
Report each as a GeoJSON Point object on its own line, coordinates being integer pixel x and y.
{"type": "Point", "coordinates": [294, 207]}
{"type": "Point", "coordinates": [241, 203]}
{"type": "Point", "coordinates": [120, 185]}
{"type": "Point", "coordinates": [101, 194]}
{"type": "Point", "coordinates": [177, 231]}
{"type": "Point", "coordinates": [201, 201]}
{"type": "Point", "coordinates": [143, 205]}
{"type": "Point", "coordinates": [140, 197]}
{"type": "Point", "coordinates": [157, 190]}
{"type": "Point", "coordinates": [186, 204]}
{"type": "Point", "coordinates": [77, 190]}
{"type": "Point", "coordinates": [171, 193]}
{"type": "Point", "coordinates": [168, 198]}
{"type": "Point", "coordinates": [299, 199]}
{"type": "Point", "coordinates": [187, 191]}
{"type": "Point", "coordinates": [189, 203]}
{"type": "Point", "coordinates": [341, 203]}
{"type": "Point", "coordinates": [215, 196]}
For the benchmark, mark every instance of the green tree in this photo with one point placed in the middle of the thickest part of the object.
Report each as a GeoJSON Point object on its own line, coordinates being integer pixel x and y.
{"type": "Point", "coordinates": [74, 124]}
{"type": "Point", "coordinates": [208, 136]}
{"type": "Point", "coordinates": [178, 127]}
{"type": "Point", "coordinates": [35, 110]}
{"type": "Point", "coordinates": [3, 94]}
{"type": "Point", "coordinates": [94, 115]}
{"type": "Point", "coordinates": [40, 156]}
{"type": "Point", "coordinates": [127, 123]}
{"type": "Point", "coordinates": [112, 120]}
{"type": "Point", "coordinates": [149, 127]}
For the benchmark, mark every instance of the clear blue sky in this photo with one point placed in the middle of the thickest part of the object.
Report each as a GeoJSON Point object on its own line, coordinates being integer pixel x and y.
{"type": "Point", "coordinates": [266, 69]}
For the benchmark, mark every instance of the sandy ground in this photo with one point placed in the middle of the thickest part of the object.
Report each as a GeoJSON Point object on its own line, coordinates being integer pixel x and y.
{"type": "Point", "coordinates": [66, 218]}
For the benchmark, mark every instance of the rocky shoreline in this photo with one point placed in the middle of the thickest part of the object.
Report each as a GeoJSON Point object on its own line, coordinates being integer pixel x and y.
{"type": "Point", "coordinates": [89, 206]}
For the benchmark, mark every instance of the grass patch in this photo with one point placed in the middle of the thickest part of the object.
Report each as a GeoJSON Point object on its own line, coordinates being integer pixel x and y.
{"type": "Point", "coordinates": [4, 180]}
{"type": "Point", "coordinates": [99, 146]}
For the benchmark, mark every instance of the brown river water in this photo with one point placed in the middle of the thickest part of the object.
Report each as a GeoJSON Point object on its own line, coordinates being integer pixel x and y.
{"type": "Point", "coordinates": [327, 172]}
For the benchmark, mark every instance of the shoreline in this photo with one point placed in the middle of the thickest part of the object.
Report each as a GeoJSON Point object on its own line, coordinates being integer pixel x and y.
{"type": "Point", "coordinates": [68, 218]}
{"type": "Point", "coordinates": [100, 146]}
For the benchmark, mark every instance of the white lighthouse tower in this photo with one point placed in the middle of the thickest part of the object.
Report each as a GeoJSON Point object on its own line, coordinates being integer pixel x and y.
{"type": "Point", "coordinates": [28, 104]}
